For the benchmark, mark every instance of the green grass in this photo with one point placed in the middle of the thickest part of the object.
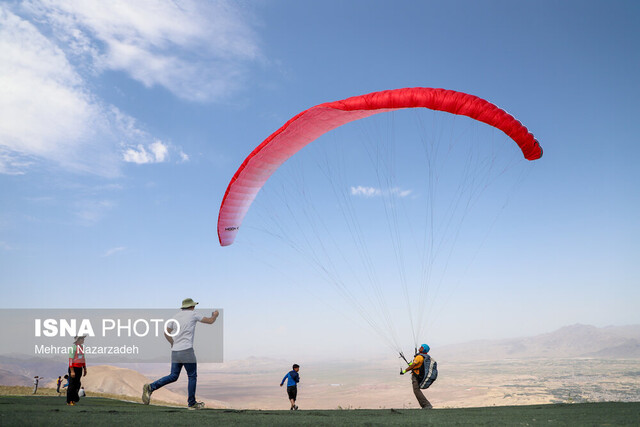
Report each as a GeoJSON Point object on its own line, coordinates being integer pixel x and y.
{"type": "Point", "coordinates": [51, 410]}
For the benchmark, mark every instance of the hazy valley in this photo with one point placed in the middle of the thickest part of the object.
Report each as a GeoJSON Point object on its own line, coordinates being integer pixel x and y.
{"type": "Point", "coordinates": [574, 364]}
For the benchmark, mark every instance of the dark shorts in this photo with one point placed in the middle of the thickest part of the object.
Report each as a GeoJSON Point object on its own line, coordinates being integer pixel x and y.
{"type": "Point", "coordinates": [292, 391]}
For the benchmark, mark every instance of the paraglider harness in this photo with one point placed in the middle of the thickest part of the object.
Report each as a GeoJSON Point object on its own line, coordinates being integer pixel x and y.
{"type": "Point", "coordinates": [427, 373]}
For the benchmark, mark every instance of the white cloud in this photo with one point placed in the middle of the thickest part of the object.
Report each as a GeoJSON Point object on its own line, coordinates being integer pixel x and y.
{"type": "Point", "coordinates": [375, 192]}
{"type": "Point", "coordinates": [90, 212]}
{"type": "Point", "coordinates": [198, 50]}
{"type": "Point", "coordinates": [365, 191]}
{"type": "Point", "coordinates": [12, 163]}
{"type": "Point", "coordinates": [158, 153]}
{"type": "Point", "coordinates": [49, 48]}
{"type": "Point", "coordinates": [47, 111]}
{"type": "Point", "coordinates": [400, 192]}
{"type": "Point", "coordinates": [113, 251]}
{"type": "Point", "coordinates": [137, 155]}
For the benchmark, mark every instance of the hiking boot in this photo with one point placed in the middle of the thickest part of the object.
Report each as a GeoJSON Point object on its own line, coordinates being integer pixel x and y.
{"type": "Point", "coordinates": [146, 394]}
{"type": "Point", "coordinates": [295, 408]}
{"type": "Point", "coordinates": [197, 405]}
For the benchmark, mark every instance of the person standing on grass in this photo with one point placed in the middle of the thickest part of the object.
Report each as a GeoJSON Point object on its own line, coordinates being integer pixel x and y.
{"type": "Point", "coordinates": [35, 384]}
{"type": "Point", "coordinates": [420, 367]}
{"type": "Point", "coordinates": [77, 368]}
{"type": "Point", "coordinates": [182, 353]}
{"type": "Point", "coordinates": [58, 384]}
{"type": "Point", "coordinates": [292, 378]}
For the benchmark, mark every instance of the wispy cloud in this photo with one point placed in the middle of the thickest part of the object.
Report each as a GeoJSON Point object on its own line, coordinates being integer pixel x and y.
{"type": "Point", "coordinates": [12, 163]}
{"type": "Point", "coordinates": [51, 49]}
{"type": "Point", "coordinates": [361, 191]}
{"type": "Point", "coordinates": [90, 212]}
{"type": "Point", "coordinates": [198, 50]}
{"type": "Point", "coordinates": [400, 192]}
{"type": "Point", "coordinates": [113, 251]}
{"type": "Point", "coordinates": [48, 114]}
{"type": "Point", "coordinates": [365, 191]}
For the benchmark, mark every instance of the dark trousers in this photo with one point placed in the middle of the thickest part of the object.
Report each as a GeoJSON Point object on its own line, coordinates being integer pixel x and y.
{"type": "Point", "coordinates": [418, 392]}
{"type": "Point", "coordinates": [74, 385]}
{"type": "Point", "coordinates": [176, 367]}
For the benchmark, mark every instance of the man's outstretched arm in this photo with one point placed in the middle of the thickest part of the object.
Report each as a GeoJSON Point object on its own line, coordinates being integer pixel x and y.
{"type": "Point", "coordinates": [210, 320]}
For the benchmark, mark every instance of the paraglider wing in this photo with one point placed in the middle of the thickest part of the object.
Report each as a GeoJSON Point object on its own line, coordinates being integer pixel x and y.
{"type": "Point", "coordinates": [312, 123]}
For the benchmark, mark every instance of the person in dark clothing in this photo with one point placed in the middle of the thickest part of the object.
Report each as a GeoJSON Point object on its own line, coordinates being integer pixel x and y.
{"type": "Point", "coordinates": [77, 368]}
{"type": "Point", "coordinates": [58, 384]}
{"type": "Point", "coordinates": [417, 368]}
{"type": "Point", "coordinates": [292, 378]}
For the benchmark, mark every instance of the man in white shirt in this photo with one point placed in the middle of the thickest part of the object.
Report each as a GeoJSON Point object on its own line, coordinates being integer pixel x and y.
{"type": "Point", "coordinates": [182, 353]}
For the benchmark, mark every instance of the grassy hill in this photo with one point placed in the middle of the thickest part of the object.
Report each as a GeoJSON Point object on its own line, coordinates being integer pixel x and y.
{"type": "Point", "coordinates": [46, 391]}
{"type": "Point", "coordinates": [99, 411]}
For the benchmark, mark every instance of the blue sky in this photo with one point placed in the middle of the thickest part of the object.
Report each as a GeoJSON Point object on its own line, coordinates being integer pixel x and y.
{"type": "Point", "coordinates": [122, 125]}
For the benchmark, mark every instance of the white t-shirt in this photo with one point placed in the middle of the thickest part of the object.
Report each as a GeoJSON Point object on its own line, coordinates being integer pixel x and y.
{"type": "Point", "coordinates": [187, 320]}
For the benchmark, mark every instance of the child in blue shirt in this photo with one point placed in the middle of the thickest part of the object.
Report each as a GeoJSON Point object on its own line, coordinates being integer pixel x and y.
{"type": "Point", "coordinates": [293, 378]}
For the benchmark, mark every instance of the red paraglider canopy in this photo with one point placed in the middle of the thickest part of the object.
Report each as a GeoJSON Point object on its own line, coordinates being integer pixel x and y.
{"type": "Point", "coordinates": [312, 123]}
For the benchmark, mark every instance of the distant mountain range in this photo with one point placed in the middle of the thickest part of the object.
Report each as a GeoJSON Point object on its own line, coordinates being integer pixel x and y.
{"type": "Point", "coordinates": [15, 371]}
{"type": "Point", "coordinates": [575, 341]}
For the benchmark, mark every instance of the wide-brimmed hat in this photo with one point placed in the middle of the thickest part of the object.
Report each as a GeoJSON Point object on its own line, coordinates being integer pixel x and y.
{"type": "Point", "coordinates": [186, 303]}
